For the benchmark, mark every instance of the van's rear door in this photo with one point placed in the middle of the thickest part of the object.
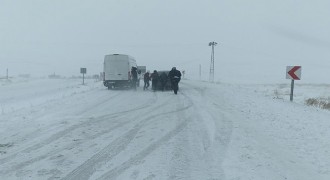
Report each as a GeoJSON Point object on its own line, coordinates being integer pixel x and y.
{"type": "Point", "coordinates": [117, 68]}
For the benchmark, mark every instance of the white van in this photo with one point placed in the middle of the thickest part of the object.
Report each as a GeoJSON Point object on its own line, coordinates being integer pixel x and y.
{"type": "Point", "coordinates": [117, 70]}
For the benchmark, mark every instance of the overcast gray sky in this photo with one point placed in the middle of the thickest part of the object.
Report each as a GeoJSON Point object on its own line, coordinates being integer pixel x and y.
{"type": "Point", "coordinates": [257, 38]}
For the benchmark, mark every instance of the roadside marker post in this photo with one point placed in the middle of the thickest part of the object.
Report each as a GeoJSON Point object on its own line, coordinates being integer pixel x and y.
{"type": "Point", "coordinates": [293, 73]}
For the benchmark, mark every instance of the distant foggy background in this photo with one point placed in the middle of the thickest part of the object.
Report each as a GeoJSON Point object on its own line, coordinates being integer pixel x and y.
{"type": "Point", "coordinates": [256, 39]}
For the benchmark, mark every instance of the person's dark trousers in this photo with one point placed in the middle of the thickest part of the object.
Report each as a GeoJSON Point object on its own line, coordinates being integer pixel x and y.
{"type": "Point", "coordinates": [154, 85]}
{"type": "Point", "coordinates": [146, 85]}
{"type": "Point", "coordinates": [175, 86]}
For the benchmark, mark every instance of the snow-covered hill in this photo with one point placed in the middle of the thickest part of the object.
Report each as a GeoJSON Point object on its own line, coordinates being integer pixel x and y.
{"type": "Point", "coordinates": [60, 129]}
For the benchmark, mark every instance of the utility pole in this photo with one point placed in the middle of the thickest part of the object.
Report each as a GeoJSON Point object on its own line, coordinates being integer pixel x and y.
{"type": "Point", "coordinates": [212, 61]}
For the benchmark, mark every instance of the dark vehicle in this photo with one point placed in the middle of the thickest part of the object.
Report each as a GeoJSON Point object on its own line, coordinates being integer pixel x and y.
{"type": "Point", "coordinates": [167, 85]}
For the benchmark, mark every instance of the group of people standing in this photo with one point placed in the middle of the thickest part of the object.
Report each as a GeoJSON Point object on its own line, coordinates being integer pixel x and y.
{"type": "Point", "coordinates": [174, 76]}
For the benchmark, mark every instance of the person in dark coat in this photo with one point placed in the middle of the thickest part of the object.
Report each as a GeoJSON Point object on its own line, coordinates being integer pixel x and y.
{"type": "Point", "coordinates": [134, 77]}
{"type": "Point", "coordinates": [163, 80]}
{"type": "Point", "coordinates": [146, 79]}
{"type": "Point", "coordinates": [154, 80]}
{"type": "Point", "coordinates": [175, 77]}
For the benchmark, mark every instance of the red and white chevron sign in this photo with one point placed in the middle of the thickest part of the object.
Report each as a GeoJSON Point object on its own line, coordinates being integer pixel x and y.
{"type": "Point", "coordinates": [293, 72]}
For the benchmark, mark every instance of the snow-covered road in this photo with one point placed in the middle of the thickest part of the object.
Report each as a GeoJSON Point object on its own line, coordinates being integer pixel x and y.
{"type": "Point", "coordinates": [59, 129]}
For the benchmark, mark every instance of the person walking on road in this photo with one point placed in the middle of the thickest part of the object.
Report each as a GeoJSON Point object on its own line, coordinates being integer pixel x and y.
{"type": "Point", "coordinates": [154, 78]}
{"type": "Point", "coordinates": [134, 77]}
{"type": "Point", "coordinates": [175, 77]}
{"type": "Point", "coordinates": [146, 78]}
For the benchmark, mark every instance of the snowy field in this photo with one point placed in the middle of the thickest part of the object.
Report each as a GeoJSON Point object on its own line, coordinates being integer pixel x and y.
{"type": "Point", "coordinates": [302, 92]}
{"type": "Point", "coordinates": [61, 129]}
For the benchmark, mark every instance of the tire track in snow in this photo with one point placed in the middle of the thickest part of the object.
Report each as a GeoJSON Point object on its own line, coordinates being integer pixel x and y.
{"type": "Point", "coordinates": [38, 111]}
{"type": "Point", "coordinates": [180, 162]}
{"type": "Point", "coordinates": [66, 131]}
{"type": "Point", "coordinates": [123, 121]}
{"type": "Point", "coordinates": [95, 106]}
{"type": "Point", "coordinates": [40, 114]}
{"type": "Point", "coordinates": [214, 105]}
{"type": "Point", "coordinates": [138, 158]}
{"type": "Point", "coordinates": [88, 168]}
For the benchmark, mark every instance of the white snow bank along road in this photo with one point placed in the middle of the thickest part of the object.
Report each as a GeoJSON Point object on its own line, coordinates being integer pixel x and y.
{"type": "Point", "coordinates": [25, 92]}
{"type": "Point", "coordinates": [207, 131]}
{"type": "Point", "coordinates": [274, 139]}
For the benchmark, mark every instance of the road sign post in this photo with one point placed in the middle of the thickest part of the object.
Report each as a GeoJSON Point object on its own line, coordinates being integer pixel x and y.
{"type": "Point", "coordinates": [292, 86]}
{"type": "Point", "coordinates": [83, 71]}
{"type": "Point", "coordinates": [293, 73]}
